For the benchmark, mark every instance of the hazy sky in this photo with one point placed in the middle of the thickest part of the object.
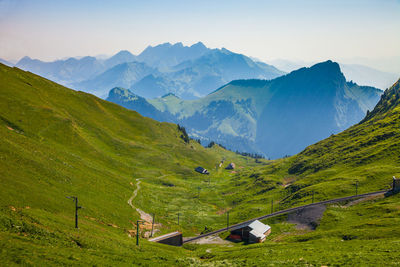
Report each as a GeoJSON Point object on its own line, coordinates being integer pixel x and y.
{"type": "Point", "coordinates": [310, 30]}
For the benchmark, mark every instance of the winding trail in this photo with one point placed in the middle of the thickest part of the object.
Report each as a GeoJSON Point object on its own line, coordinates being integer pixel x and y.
{"type": "Point", "coordinates": [143, 215]}
{"type": "Point", "coordinates": [146, 217]}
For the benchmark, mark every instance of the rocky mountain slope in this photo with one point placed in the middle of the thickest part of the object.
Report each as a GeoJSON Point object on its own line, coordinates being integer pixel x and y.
{"type": "Point", "coordinates": [276, 117]}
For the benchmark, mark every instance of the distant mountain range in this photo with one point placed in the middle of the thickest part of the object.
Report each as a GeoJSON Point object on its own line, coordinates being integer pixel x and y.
{"type": "Point", "coordinates": [5, 62]}
{"type": "Point", "coordinates": [187, 71]}
{"type": "Point", "coordinates": [275, 117]}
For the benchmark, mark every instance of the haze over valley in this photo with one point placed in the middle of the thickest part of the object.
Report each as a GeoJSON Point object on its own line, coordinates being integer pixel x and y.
{"type": "Point", "coordinates": [199, 133]}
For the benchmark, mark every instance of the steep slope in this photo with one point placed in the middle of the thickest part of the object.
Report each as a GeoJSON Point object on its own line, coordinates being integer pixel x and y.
{"type": "Point", "coordinates": [57, 142]}
{"type": "Point", "coordinates": [374, 141]}
{"type": "Point", "coordinates": [121, 75]}
{"type": "Point", "coordinates": [277, 117]}
{"type": "Point", "coordinates": [310, 104]}
{"type": "Point", "coordinates": [364, 232]}
{"type": "Point", "coordinates": [364, 157]}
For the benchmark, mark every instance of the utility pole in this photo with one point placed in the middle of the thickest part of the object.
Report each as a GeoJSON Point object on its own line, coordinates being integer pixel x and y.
{"type": "Point", "coordinates": [198, 191]}
{"type": "Point", "coordinates": [152, 225]}
{"type": "Point", "coordinates": [356, 188]}
{"type": "Point", "coordinates": [227, 220]}
{"type": "Point", "coordinates": [137, 231]}
{"type": "Point", "coordinates": [272, 205]}
{"type": "Point", "coordinates": [77, 207]}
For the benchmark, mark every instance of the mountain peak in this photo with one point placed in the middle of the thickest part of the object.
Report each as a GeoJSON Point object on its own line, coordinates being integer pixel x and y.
{"type": "Point", "coordinates": [324, 70]}
{"type": "Point", "coordinates": [124, 53]}
{"type": "Point", "coordinates": [179, 44]}
{"type": "Point", "coordinates": [24, 59]}
{"type": "Point", "coordinates": [119, 91]}
{"type": "Point", "coordinates": [198, 45]}
{"type": "Point", "coordinates": [328, 65]}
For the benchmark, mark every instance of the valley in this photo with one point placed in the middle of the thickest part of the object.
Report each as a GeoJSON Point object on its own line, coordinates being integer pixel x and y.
{"type": "Point", "coordinates": [200, 133]}
{"type": "Point", "coordinates": [59, 142]}
{"type": "Point", "coordinates": [266, 117]}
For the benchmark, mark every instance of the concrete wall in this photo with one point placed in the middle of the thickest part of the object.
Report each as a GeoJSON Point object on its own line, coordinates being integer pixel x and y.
{"type": "Point", "coordinates": [175, 240]}
{"type": "Point", "coordinates": [396, 184]}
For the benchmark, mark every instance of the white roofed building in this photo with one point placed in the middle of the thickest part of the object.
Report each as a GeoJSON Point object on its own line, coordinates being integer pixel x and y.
{"type": "Point", "coordinates": [254, 232]}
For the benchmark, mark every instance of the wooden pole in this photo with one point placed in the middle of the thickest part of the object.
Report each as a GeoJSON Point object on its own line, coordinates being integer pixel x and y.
{"type": "Point", "coordinates": [356, 188]}
{"type": "Point", "coordinates": [152, 225]}
{"type": "Point", "coordinates": [227, 220]}
{"type": "Point", "coordinates": [76, 212]}
{"type": "Point", "coordinates": [272, 206]}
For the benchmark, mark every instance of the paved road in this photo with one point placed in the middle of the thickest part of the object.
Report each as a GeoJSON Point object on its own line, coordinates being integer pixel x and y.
{"type": "Point", "coordinates": [239, 225]}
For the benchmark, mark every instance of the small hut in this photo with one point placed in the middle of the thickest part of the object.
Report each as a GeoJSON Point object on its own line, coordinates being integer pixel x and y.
{"type": "Point", "coordinates": [254, 232]}
{"type": "Point", "coordinates": [231, 166]}
{"type": "Point", "coordinates": [201, 170]}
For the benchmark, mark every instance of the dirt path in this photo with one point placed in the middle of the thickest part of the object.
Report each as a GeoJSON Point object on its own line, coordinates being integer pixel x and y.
{"type": "Point", "coordinates": [212, 240]}
{"type": "Point", "coordinates": [146, 217]}
{"type": "Point", "coordinates": [143, 215]}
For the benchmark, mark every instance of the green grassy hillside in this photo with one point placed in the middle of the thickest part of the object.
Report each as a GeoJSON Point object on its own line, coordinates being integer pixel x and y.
{"type": "Point", "coordinates": [58, 142]}
{"type": "Point", "coordinates": [349, 234]}
{"type": "Point", "coordinates": [366, 154]}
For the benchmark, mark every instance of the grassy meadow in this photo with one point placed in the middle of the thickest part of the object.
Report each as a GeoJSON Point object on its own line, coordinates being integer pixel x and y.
{"type": "Point", "coordinates": [56, 142]}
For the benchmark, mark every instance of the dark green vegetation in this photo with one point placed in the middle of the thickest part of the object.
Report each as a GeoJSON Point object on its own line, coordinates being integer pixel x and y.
{"type": "Point", "coordinates": [276, 117]}
{"type": "Point", "coordinates": [57, 142]}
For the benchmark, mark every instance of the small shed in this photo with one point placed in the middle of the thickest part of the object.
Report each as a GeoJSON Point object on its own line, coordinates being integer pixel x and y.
{"type": "Point", "coordinates": [201, 170]}
{"type": "Point", "coordinates": [231, 166]}
{"type": "Point", "coordinates": [254, 232]}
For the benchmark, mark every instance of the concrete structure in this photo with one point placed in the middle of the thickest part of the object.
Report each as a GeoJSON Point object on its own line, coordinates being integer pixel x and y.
{"type": "Point", "coordinates": [173, 239]}
{"type": "Point", "coordinates": [201, 170]}
{"type": "Point", "coordinates": [254, 232]}
{"type": "Point", "coordinates": [396, 184]}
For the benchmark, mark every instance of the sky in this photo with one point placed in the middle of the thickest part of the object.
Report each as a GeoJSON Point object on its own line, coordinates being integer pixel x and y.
{"type": "Point", "coordinates": [350, 31]}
